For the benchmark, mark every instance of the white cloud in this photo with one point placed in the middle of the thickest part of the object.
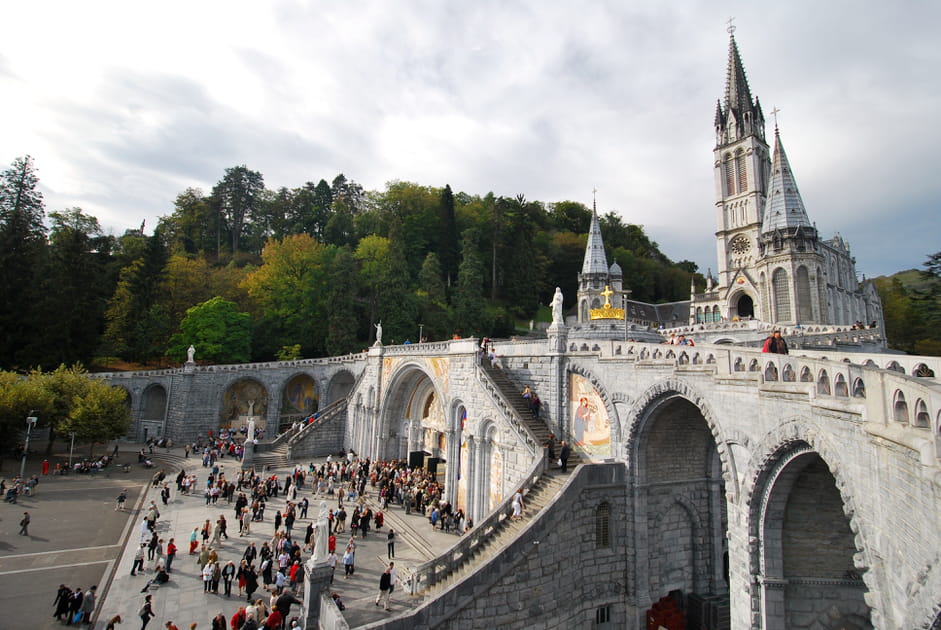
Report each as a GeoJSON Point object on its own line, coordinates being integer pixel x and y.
{"type": "Point", "coordinates": [124, 105]}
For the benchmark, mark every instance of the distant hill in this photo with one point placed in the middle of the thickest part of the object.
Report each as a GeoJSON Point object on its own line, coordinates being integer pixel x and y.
{"type": "Point", "coordinates": [911, 302]}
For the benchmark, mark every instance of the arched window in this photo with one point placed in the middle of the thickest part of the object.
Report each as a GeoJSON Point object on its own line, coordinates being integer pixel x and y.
{"type": "Point", "coordinates": [741, 171]}
{"type": "Point", "coordinates": [839, 386]}
{"type": "Point", "coordinates": [603, 526]}
{"type": "Point", "coordinates": [805, 311]}
{"type": "Point", "coordinates": [771, 372]}
{"type": "Point", "coordinates": [753, 366]}
{"type": "Point", "coordinates": [782, 297]}
{"type": "Point", "coordinates": [895, 367]}
{"type": "Point", "coordinates": [787, 374]}
{"type": "Point", "coordinates": [699, 317]}
{"type": "Point", "coordinates": [923, 371]}
{"type": "Point", "coordinates": [922, 419]}
{"type": "Point", "coordinates": [859, 388]}
{"type": "Point", "coordinates": [900, 407]}
{"type": "Point", "coordinates": [729, 175]}
{"type": "Point", "coordinates": [739, 365]}
{"type": "Point", "coordinates": [715, 314]}
{"type": "Point", "coordinates": [806, 376]}
{"type": "Point", "coordinates": [823, 383]}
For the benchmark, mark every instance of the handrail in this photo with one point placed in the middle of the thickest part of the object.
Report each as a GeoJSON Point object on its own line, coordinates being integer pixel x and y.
{"type": "Point", "coordinates": [509, 411]}
{"type": "Point", "coordinates": [435, 570]}
{"type": "Point", "coordinates": [322, 416]}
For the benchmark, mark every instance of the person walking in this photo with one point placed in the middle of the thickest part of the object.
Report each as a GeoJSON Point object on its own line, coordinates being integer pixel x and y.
{"type": "Point", "coordinates": [146, 612]}
{"type": "Point", "coordinates": [88, 604]}
{"type": "Point", "coordinates": [385, 587]}
{"type": "Point", "coordinates": [138, 560]}
{"type": "Point", "coordinates": [24, 524]}
{"type": "Point", "coordinates": [122, 498]}
{"type": "Point", "coordinates": [390, 543]}
{"type": "Point", "coordinates": [564, 456]}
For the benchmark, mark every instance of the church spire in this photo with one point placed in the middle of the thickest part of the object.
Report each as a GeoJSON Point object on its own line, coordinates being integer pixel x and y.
{"type": "Point", "coordinates": [784, 208]}
{"type": "Point", "coordinates": [595, 259]}
{"type": "Point", "coordinates": [739, 115]}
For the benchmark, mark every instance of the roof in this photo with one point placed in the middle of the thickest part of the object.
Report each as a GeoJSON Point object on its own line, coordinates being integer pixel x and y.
{"type": "Point", "coordinates": [595, 259]}
{"type": "Point", "coordinates": [784, 208]}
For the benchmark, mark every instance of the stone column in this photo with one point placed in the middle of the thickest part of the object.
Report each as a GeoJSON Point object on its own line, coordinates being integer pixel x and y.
{"type": "Point", "coordinates": [473, 484]}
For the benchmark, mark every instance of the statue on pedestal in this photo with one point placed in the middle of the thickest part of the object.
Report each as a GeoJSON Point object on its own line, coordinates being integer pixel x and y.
{"type": "Point", "coordinates": [190, 354]}
{"type": "Point", "coordinates": [378, 333]}
{"type": "Point", "coordinates": [557, 306]}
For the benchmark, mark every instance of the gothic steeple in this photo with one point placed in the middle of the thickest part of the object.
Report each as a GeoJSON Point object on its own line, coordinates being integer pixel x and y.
{"type": "Point", "coordinates": [784, 209]}
{"type": "Point", "coordinates": [740, 115]}
{"type": "Point", "coordinates": [595, 259]}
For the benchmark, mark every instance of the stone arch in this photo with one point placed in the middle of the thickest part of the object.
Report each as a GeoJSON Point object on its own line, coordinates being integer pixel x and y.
{"type": "Point", "coordinates": [797, 497]}
{"type": "Point", "coordinates": [840, 388]}
{"type": "Point", "coordinates": [823, 383]}
{"type": "Point", "coordinates": [340, 386]}
{"type": "Point", "coordinates": [771, 372]}
{"type": "Point", "coordinates": [787, 374]}
{"type": "Point", "coordinates": [806, 376]}
{"type": "Point", "coordinates": [683, 488]}
{"type": "Point", "coordinates": [895, 367]}
{"type": "Point", "coordinates": [739, 365]}
{"type": "Point", "coordinates": [922, 417]}
{"type": "Point", "coordinates": [300, 397]}
{"type": "Point", "coordinates": [607, 398]}
{"type": "Point", "coordinates": [244, 399]}
{"type": "Point", "coordinates": [753, 366]}
{"type": "Point", "coordinates": [899, 407]}
{"type": "Point", "coordinates": [859, 388]}
{"type": "Point", "coordinates": [411, 393]}
{"type": "Point", "coordinates": [153, 411]}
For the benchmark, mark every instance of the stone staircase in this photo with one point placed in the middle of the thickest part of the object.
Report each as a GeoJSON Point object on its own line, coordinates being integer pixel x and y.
{"type": "Point", "coordinates": [273, 458]}
{"type": "Point", "coordinates": [511, 391]}
{"type": "Point", "coordinates": [541, 494]}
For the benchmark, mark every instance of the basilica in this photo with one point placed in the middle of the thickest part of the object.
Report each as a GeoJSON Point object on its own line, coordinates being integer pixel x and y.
{"type": "Point", "coordinates": [773, 266]}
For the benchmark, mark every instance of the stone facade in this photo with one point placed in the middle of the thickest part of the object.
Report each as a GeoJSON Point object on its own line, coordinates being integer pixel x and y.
{"type": "Point", "coordinates": [801, 489]}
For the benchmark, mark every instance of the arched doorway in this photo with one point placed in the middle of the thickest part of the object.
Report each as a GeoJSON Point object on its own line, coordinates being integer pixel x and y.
{"type": "Point", "coordinates": [298, 400]}
{"type": "Point", "coordinates": [245, 401]}
{"type": "Point", "coordinates": [805, 570]}
{"type": "Point", "coordinates": [153, 412]}
{"type": "Point", "coordinates": [745, 307]}
{"type": "Point", "coordinates": [681, 512]}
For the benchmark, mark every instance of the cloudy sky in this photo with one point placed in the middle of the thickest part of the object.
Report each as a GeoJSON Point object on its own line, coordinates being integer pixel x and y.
{"type": "Point", "coordinates": [125, 104]}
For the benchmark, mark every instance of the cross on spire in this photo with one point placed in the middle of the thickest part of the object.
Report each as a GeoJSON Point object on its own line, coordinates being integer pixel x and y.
{"type": "Point", "coordinates": [594, 202]}
{"type": "Point", "coordinates": [731, 27]}
{"type": "Point", "coordinates": [775, 112]}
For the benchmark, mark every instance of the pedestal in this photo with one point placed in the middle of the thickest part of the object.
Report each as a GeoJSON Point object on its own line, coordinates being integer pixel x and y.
{"type": "Point", "coordinates": [317, 582]}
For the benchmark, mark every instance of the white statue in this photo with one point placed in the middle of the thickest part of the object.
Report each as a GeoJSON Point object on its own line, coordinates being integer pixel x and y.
{"type": "Point", "coordinates": [321, 528]}
{"type": "Point", "coordinates": [378, 333]}
{"type": "Point", "coordinates": [190, 353]}
{"type": "Point", "coordinates": [251, 431]}
{"type": "Point", "coordinates": [251, 407]}
{"type": "Point", "coordinates": [557, 306]}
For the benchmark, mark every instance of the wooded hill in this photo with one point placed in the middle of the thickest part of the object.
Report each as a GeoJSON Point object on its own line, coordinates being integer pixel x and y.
{"type": "Point", "coordinates": [247, 273]}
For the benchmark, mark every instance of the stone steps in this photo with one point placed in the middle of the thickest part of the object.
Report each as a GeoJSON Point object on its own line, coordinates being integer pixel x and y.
{"type": "Point", "coordinates": [541, 495]}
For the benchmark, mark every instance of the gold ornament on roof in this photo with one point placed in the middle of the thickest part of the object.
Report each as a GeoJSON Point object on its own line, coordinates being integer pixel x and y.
{"type": "Point", "coordinates": [606, 311]}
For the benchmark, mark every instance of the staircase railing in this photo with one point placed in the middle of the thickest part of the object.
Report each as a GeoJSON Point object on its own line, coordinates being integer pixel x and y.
{"type": "Point", "coordinates": [434, 571]}
{"type": "Point", "coordinates": [514, 419]}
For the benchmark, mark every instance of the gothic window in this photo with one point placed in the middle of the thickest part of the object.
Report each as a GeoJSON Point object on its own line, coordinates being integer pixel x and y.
{"type": "Point", "coordinates": [603, 526]}
{"type": "Point", "coordinates": [823, 383]}
{"type": "Point", "coordinates": [922, 418]}
{"type": "Point", "coordinates": [806, 376]}
{"type": "Point", "coordinates": [900, 407]}
{"type": "Point", "coordinates": [802, 286]}
{"type": "Point", "coordinates": [787, 374]}
{"type": "Point", "coordinates": [782, 298]}
{"type": "Point", "coordinates": [741, 172]}
{"type": "Point", "coordinates": [839, 386]}
{"type": "Point", "coordinates": [729, 175]}
{"type": "Point", "coordinates": [715, 314]}
{"type": "Point", "coordinates": [859, 388]}
{"type": "Point", "coordinates": [771, 372]}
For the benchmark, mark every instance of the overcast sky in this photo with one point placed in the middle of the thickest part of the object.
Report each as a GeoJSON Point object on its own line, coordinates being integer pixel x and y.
{"type": "Point", "coordinates": [123, 105]}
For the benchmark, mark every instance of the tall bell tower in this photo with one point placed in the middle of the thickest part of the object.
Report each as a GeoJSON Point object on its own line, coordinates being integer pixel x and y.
{"type": "Point", "coordinates": [742, 169]}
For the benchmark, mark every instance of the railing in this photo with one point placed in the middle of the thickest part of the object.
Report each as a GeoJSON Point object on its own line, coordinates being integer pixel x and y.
{"type": "Point", "coordinates": [322, 416]}
{"type": "Point", "coordinates": [515, 421]}
{"type": "Point", "coordinates": [434, 571]}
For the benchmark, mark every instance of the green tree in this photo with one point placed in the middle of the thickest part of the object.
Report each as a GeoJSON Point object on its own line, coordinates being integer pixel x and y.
{"type": "Point", "coordinates": [288, 295]}
{"type": "Point", "coordinates": [341, 293]}
{"type": "Point", "coordinates": [433, 311]}
{"type": "Point", "coordinates": [217, 329]}
{"type": "Point", "coordinates": [239, 197]}
{"type": "Point", "coordinates": [76, 285]}
{"type": "Point", "coordinates": [20, 398]}
{"type": "Point", "coordinates": [448, 246]}
{"type": "Point", "coordinates": [469, 313]}
{"type": "Point", "coordinates": [193, 226]}
{"type": "Point", "coordinates": [98, 415]}
{"type": "Point", "coordinates": [396, 300]}
{"type": "Point", "coordinates": [22, 248]}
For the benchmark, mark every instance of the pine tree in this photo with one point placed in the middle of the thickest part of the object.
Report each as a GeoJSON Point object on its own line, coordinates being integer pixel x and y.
{"type": "Point", "coordinates": [22, 247]}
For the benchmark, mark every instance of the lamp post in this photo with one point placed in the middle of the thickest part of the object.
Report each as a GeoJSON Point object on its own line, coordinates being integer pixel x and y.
{"type": "Point", "coordinates": [71, 448]}
{"type": "Point", "coordinates": [421, 327]}
{"type": "Point", "coordinates": [30, 423]}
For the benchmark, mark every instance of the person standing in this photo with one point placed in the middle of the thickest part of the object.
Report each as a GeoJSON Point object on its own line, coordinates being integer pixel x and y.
{"type": "Point", "coordinates": [62, 601]}
{"type": "Point", "coordinates": [146, 612]}
{"type": "Point", "coordinates": [75, 605]}
{"type": "Point", "coordinates": [228, 574]}
{"type": "Point", "coordinates": [564, 456]}
{"type": "Point", "coordinates": [138, 560]}
{"type": "Point", "coordinates": [122, 498]}
{"type": "Point", "coordinates": [171, 554]}
{"type": "Point", "coordinates": [24, 524]}
{"type": "Point", "coordinates": [390, 543]}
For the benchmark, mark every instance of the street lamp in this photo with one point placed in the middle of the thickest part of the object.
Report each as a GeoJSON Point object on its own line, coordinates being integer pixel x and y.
{"type": "Point", "coordinates": [71, 448]}
{"type": "Point", "coordinates": [421, 327]}
{"type": "Point", "coordinates": [30, 423]}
